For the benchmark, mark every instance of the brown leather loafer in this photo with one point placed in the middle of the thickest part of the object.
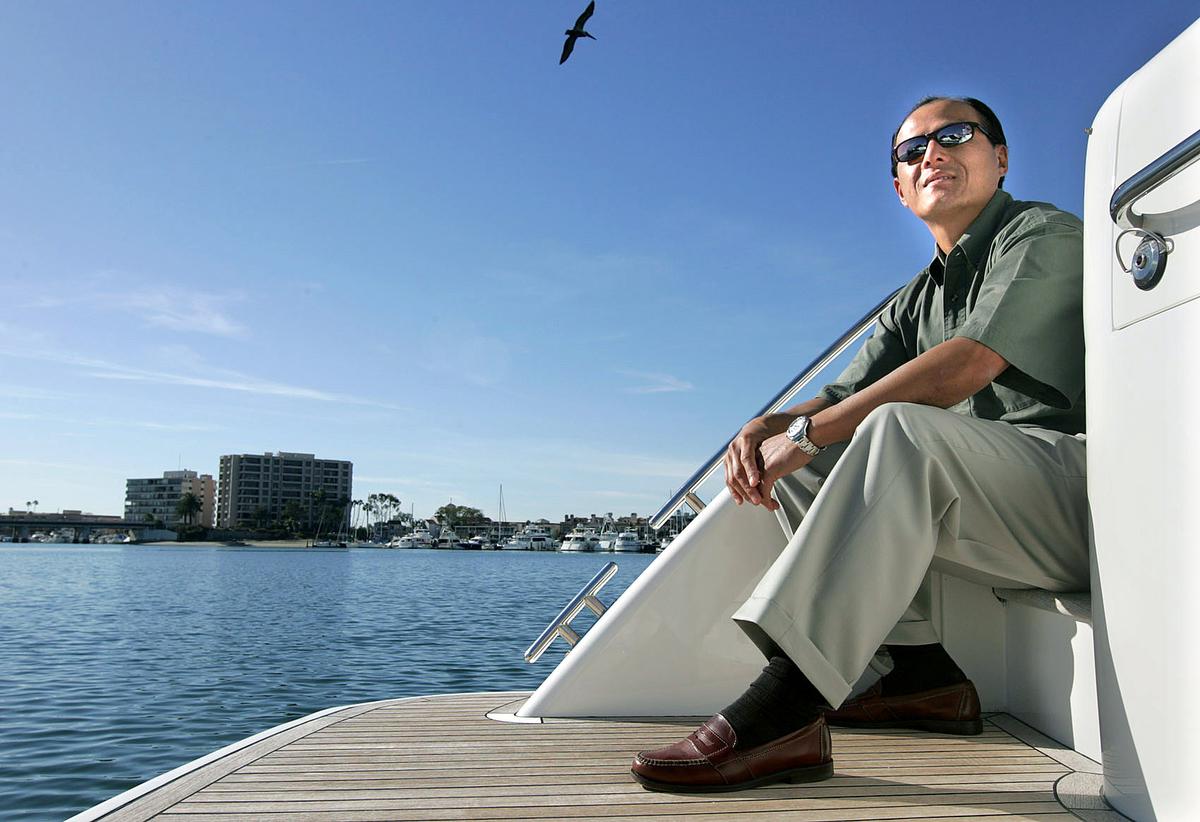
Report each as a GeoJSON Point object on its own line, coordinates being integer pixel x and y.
{"type": "Point", "coordinates": [953, 709]}
{"type": "Point", "coordinates": [706, 761]}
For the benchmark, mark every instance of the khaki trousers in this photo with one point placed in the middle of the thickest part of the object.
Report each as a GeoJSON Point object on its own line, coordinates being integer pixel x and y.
{"type": "Point", "coordinates": [917, 489]}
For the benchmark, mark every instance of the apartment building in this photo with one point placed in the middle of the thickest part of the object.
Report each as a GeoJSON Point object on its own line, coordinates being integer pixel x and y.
{"type": "Point", "coordinates": [258, 487]}
{"type": "Point", "coordinates": [158, 496]}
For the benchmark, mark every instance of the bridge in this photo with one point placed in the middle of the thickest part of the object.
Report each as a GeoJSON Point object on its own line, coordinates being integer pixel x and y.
{"type": "Point", "coordinates": [21, 525]}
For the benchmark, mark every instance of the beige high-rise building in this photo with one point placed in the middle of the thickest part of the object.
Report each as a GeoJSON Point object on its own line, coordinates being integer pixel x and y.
{"type": "Point", "coordinates": [157, 497]}
{"type": "Point", "coordinates": [256, 488]}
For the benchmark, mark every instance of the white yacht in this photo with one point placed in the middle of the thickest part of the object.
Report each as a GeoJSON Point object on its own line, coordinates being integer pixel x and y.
{"type": "Point", "coordinates": [446, 539]}
{"type": "Point", "coordinates": [531, 538]}
{"type": "Point", "coordinates": [628, 542]}
{"type": "Point", "coordinates": [419, 538]}
{"type": "Point", "coordinates": [607, 538]}
{"type": "Point", "coordinates": [581, 541]}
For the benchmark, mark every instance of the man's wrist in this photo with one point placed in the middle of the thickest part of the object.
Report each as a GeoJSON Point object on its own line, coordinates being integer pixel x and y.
{"type": "Point", "coordinates": [778, 422]}
{"type": "Point", "coordinates": [798, 433]}
{"type": "Point", "coordinates": [818, 434]}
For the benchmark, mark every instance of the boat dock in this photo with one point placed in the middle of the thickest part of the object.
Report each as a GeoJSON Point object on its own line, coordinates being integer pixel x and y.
{"type": "Point", "coordinates": [444, 757]}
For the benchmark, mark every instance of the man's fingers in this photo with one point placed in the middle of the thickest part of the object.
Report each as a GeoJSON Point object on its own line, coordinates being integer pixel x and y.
{"type": "Point", "coordinates": [744, 472]}
{"type": "Point", "coordinates": [767, 486]}
{"type": "Point", "coordinates": [735, 473]}
{"type": "Point", "coordinates": [749, 461]}
{"type": "Point", "coordinates": [730, 480]}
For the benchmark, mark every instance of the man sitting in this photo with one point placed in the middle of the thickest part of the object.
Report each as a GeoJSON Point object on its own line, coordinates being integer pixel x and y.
{"type": "Point", "coordinates": [953, 442]}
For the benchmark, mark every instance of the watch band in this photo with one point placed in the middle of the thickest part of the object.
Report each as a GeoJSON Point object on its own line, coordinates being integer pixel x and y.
{"type": "Point", "coordinates": [797, 432]}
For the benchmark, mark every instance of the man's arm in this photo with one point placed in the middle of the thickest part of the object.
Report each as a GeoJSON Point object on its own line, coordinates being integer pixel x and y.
{"type": "Point", "coordinates": [944, 375]}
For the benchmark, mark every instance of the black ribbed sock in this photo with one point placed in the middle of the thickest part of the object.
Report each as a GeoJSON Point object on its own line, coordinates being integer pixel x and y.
{"type": "Point", "coordinates": [920, 668]}
{"type": "Point", "coordinates": [780, 701]}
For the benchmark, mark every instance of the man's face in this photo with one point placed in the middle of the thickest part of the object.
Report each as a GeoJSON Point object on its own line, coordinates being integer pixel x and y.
{"type": "Point", "coordinates": [949, 180]}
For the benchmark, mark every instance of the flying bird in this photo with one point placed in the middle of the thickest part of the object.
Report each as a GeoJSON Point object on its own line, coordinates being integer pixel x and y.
{"type": "Point", "coordinates": [576, 31]}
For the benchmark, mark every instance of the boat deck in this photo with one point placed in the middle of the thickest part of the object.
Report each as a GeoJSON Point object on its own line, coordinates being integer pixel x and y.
{"type": "Point", "coordinates": [435, 758]}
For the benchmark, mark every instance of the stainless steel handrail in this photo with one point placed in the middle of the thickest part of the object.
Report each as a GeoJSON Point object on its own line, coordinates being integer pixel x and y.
{"type": "Point", "coordinates": [687, 494]}
{"type": "Point", "coordinates": [1173, 161]}
{"type": "Point", "coordinates": [561, 626]}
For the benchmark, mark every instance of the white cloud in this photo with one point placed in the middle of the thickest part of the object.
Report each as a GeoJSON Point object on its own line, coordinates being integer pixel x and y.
{"type": "Point", "coordinates": [179, 310]}
{"type": "Point", "coordinates": [656, 383]}
{"type": "Point", "coordinates": [43, 301]}
{"type": "Point", "coordinates": [224, 380]}
{"type": "Point", "coordinates": [172, 426]}
{"type": "Point", "coordinates": [64, 466]}
{"type": "Point", "coordinates": [115, 423]}
{"type": "Point", "coordinates": [20, 392]}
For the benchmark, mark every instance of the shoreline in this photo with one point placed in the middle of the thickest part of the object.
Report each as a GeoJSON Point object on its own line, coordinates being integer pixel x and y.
{"type": "Point", "coordinates": [209, 543]}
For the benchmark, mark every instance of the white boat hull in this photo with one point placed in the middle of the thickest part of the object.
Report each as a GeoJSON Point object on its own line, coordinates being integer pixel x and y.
{"type": "Point", "coordinates": [1143, 477]}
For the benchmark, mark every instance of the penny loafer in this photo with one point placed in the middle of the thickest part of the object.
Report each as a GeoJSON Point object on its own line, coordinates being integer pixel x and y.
{"type": "Point", "coordinates": [707, 762]}
{"type": "Point", "coordinates": [951, 709]}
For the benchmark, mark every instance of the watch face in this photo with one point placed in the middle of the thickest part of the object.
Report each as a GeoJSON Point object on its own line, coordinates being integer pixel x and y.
{"type": "Point", "coordinates": [797, 429]}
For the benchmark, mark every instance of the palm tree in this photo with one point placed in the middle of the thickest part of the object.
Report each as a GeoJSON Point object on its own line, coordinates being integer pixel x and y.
{"type": "Point", "coordinates": [319, 498]}
{"type": "Point", "coordinates": [188, 506]}
{"type": "Point", "coordinates": [290, 516]}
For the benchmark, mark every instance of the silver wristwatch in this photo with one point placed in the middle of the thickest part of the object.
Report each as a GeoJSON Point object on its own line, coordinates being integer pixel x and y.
{"type": "Point", "coordinates": [797, 432]}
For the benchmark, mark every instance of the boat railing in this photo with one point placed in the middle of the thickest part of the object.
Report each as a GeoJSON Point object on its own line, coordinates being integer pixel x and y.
{"type": "Point", "coordinates": [687, 495]}
{"type": "Point", "coordinates": [561, 625]}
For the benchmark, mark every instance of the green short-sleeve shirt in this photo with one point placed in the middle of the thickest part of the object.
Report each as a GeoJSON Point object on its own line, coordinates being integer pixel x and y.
{"type": "Point", "coordinates": [1013, 282]}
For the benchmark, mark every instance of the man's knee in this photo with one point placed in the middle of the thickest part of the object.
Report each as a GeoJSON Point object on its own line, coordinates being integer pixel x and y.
{"type": "Point", "coordinates": [896, 417]}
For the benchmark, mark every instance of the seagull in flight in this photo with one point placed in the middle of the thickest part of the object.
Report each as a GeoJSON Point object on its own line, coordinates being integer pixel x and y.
{"type": "Point", "coordinates": [576, 31]}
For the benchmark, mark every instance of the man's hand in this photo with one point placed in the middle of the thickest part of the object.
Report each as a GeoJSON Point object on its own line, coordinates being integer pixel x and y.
{"type": "Point", "coordinates": [744, 457]}
{"type": "Point", "coordinates": [780, 457]}
{"type": "Point", "coordinates": [743, 463]}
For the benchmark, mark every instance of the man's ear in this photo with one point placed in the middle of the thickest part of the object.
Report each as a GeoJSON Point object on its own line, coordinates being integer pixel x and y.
{"type": "Point", "coordinates": [899, 193]}
{"type": "Point", "coordinates": [1002, 159]}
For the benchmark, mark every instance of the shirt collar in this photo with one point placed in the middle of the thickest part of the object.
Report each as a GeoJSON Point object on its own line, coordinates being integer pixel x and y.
{"type": "Point", "coordinates": [975, 240]}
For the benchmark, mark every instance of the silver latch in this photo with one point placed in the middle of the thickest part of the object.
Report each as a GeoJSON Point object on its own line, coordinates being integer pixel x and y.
{"type": "Point", "coordinates": [1149, 259]}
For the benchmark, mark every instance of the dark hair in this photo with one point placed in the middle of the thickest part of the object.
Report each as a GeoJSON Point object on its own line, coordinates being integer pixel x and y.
{"type": "Point", "coordinates": [987, 119]}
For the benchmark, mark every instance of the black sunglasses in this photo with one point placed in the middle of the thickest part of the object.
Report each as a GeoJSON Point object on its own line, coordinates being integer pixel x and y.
{"type": "Point", "coordinates": [954, 134]}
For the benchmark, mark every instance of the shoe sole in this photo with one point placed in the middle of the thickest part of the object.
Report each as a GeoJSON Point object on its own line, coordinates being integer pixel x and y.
{"type": "Point", "coordinates": [957, 727]}
{"type": "Point", "coordinates": [809, 773]}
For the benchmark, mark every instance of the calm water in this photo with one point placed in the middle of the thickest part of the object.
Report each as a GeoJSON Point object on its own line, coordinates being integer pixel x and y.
{"type": "Point", "coordinates": [119, 663]}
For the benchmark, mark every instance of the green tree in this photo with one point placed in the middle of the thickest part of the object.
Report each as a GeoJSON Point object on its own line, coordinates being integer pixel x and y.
{"type": "Point", "coordinates": [188, 506]}
{"type": "Point", "coordinates": [454, 515]}
{"type": "Point", "coordinates": [290, 516]}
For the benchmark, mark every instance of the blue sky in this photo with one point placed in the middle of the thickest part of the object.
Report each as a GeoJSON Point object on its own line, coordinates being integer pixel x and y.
{"type": "Point", "coordinates": [399, 233]}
